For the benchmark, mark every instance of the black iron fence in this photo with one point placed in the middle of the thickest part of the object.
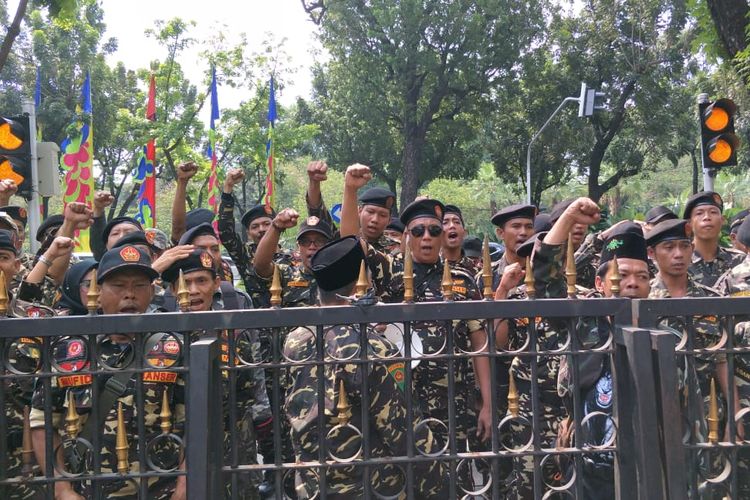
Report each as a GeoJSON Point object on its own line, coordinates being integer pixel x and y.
{"type": "Point", "coordinates": [331, 373]}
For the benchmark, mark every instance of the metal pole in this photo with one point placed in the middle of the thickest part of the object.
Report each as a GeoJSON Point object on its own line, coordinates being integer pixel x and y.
{"type": "Point", "coordinates": [33, 207]}
{"type": "Point", "coordinates": [528, 151]}
{"type": "Point", "coordinates": [709, 174]}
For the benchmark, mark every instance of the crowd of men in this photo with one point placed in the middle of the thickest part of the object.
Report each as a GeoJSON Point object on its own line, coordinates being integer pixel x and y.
{"type": "Point", "coordinates": [138, 270]}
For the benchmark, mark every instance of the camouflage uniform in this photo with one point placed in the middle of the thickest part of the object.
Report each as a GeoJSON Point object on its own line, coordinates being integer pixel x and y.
{"type": "Point", "coordinates": [737, 280]}
{"type": "Point", "coordinates": [498, 267]}
{"type": "Point", "coordinates": [742, 381]}
{"type": "Point", "coordinates": [587, 260]}
{"type": "Point", "coordinates": [162, 351]}
{"type": "Point", "coordinates": [711, 274]}
{"type": "Point", "coordinates": [386, 410]}
{"type": "Point", "coordinates": [46, 293]}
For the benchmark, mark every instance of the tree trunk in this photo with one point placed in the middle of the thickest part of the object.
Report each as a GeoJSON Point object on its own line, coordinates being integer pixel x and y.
{"type": "Point", "coordinates": [410, 163]}
{"type": "Point", "coordinates": [695, 170]}
{"type": "Point", "coordinates": [730, 20]}
{"type": "Point", "coordinates": [13, 31]}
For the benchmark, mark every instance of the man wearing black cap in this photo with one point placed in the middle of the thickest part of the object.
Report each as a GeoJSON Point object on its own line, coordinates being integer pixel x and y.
{"type": "Point", "coordinates": [472, 247]}
{"type": "Point", "coordinates": [710, 261]}
{"type": "Point", "coordinates": [657, 214]}
{"type": "Point", "coordinates": [454, 234]}
{"type": "Point", "coordinates": [125, 277]}
{"type": "Point", "coordinates": [514, 225]}
{"type": "Point", "coordinates": [253, 411]}
{"type": "Point", "coordinates": [336, 268]}
{"type": "Point", "coordinates": [734, 225]}
{"type": "Point", "coordinates": [394, 231]}
{"type": "Point", "coordinates": [297, 281]}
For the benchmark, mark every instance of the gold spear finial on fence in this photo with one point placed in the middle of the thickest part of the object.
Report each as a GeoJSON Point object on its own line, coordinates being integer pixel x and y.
{"type": "Point", "coordinates": [183, 294]}
{"type": "Point", "coordinates": [513, 406]}
{"type": "Point", "coordinates": [72, 420]}
{"type": "Point", "coordinates": [121, 446]}
{"type": "Point", "coordinates": [713, 415]}
{"type": "Point", "coordinates": [92, 296]}
{"type": "Point", "coordinates": [487, 269]}
{"type": "Point", "coordinates": [27, 449]}
{"type": "Point", "coordinates": [614, 277]}
{"type": "Point", "coordinates": [362, 283]}
{"type": "Point", "coordinates": [275, 287]}
{"type": "Point", "coordinates": [165, 415]}
{"type": "Point", "coordinates": [528, 280]}
{"type": "Point", "coordinates": [408, 276]}
{"type": "Point", "coordinates": [447, 283]}
{"type": "Point", "coordinates": [343, 407]}
{"type": "Point", "coordinates": [570, 269]}
{"type": "Point", "coordinates": [3, 295]}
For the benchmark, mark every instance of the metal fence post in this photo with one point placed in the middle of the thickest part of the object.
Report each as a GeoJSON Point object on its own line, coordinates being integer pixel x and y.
{"type": "Point", "coordinates": [204, 437]}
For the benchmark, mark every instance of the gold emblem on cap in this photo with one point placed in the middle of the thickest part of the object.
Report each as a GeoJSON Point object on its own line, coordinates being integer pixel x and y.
{"type": "Point", "coordinates": [717, 199]}
{"type": "Point", "coordinates": [312, 221]}
{"type": "Point", "coordinates": [22, 212]}
{"type": "Point", "coordinates": [206, 261]}
{"type": "Point", "coordinates": [267, 209]}
{"type": "Point", "coordinates": [130, 254]}
{"type": "Point", "coordinates": [150, 236]}
{"type": "Point", "coordinates": [439, 212]}
{"type": "Point", "coordinates": [688, 230]}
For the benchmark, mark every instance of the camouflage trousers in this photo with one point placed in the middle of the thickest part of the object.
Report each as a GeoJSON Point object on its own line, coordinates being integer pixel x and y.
{"type": "Point", "coordinates": [18, 491]}
{"type": "Point", "coordinates": [245, 450]}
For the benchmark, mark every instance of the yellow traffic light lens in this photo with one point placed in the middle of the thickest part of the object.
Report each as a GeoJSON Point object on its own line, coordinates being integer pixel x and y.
{"type": "Point", "coordinates": [7, 172]}
{"type": "Point", "coordinates": [720, 152]}
{"type": "Point", "coordinates": [8, 140]}
{"type": "Point", "coordinates": [717, 119]}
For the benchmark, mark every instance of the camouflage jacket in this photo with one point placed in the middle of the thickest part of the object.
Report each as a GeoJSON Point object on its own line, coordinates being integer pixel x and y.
{"type": "Point", "coordinates": [737, 281]}
{"type": "Point", "coordinates": [587, 259]}
{"type": "Point", "coordinates": [742, 362]}
{"type": "Point", "coordinates": [711, 274]}
{"type": "Point", "coordinates": [385, 411]}
{"type": "Point", "coordinates": [162, 351]}
{"type": "Point", "coordinates": [298, 285]}
{"type": "Point", "coordinates": [497, 273]}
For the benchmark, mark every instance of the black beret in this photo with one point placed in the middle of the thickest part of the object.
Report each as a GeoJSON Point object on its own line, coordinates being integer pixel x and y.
{"type": "Point", "coordinates": [198, 260]}
{"type": "Point", "coordinates": [472, 247]}
{"type": "Point", "coordinates": [379, 197]}
{"type": "Point", "coordinates": [542, 223]}
{"type": "Point", "coordinates": [396, 225]}
{"type": "Point", "coordinates": [199, 230]}
{"type": "Point", "coordinates": [119, 220]}
{"type": "Point", "coordinates": [198, 216]}
{"type": "Point", "coordinates": [134, 238]}
{"type": "Point", "coordinates": [257, 212]}
{"type": "Point", "coordinates": [672, 229]}
{"type": "Point", "coordinates": [519, 211]}
{"type": "Point", "coordinates": [125, 258]}
{"type": "Point", "coordinates": [625, 241]}
{"type": "Point", "coordinates": [524, 249]}
{"type": "Point", "coordinates": [8, 242]}
{"type": "Point", "coordinates": [425, 207]}
{"type": "Point", "coordinates": [453, 209]}
{"type": "Point", "coordinates": [53, 221]}
{"type": "Point", "coordinates": [738, 218]}
{"type": "Point", "coordinates": [702, 198]}
{"type": "Point", "coordinates": [16, 213]}
{"type": "Point", "coordinates": [559, 208]}
{"type": "Point", "coordinates": [337, 264]}
{"type": "Point", "coordinates": [315, 225]}
{"type": "Point", "coordinates": [658, 214]}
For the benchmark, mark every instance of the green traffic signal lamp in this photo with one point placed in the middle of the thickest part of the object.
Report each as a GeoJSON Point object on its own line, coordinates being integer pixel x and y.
{"type": "Point", "coordinates": [15, 152]}
{"type": "Point", "coordinates": [718, 141]}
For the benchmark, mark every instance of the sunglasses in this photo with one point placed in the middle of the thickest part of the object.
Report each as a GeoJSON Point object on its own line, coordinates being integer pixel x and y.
{"type": "Point", "coordinates": [433, 229]}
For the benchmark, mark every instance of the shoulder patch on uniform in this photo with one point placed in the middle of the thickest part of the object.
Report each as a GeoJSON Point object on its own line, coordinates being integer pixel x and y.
{"type": "Point", "coordinates": [396, 370]}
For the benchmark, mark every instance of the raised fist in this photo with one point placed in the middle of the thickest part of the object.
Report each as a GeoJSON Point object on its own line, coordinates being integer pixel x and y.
{"type": "Point", "coordinates": [186, 170]}
{"type": "Point", "coordinates": [357, 176]}
{"type": "Point", "coordinates": [7, 189]}
{"type": "Point", "coordinates": [286, 218]}
{"type": "Point", "coordinates": [512, 276]}
{"type": "Point", "coordinates": [317, 171]}
{"type": "Point", "coordinates": [582, 211]}
{"type": "Point", "coordinates": [60, 247]}
{"type": "Point", "coordinates": [102, 199]}
{"type": "Point", "coordinates": [233, 177]}
{"type": "Point", "coordinates": [79, 215]}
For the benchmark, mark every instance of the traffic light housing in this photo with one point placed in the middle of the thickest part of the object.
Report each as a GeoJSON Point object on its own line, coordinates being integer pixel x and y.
{"type": "Point", "coordinates": [590, 101]}
{"type": "Point", "coordinates": [718, 141]}
{"type": "Point", "coordinates": [15, 152]}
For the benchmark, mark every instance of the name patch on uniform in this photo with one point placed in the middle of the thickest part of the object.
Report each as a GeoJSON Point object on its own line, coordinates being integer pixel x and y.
{"type": "Point", "coordinates": [299, 284]}
{"type": "Point", "coordinates": [74, 380]}
{"type": "Point", "coordinates": [459, 289]}
{"type": "Point", "coordinates": [164, 377]}
{"type": "Point", "coordinates": [396, 370]}
{"type": "Point", "coordinates": [743, 293]}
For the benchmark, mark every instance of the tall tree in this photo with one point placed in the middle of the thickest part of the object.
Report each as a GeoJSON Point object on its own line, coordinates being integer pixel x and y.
{"type": "Point", "coordinates": [406, 76]}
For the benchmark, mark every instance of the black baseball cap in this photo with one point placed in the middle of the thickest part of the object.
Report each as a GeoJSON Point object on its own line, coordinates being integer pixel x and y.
{"type": "Point", "coordinates": [315, 225]}
{"type": "Point", "coordinates": [125, 258]}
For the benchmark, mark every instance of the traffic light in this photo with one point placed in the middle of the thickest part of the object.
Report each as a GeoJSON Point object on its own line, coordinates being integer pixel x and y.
{"type": "Point", "coordinates": [718, 140]}
{"type": "Point", "coordinates": [15, 152]}
{"type": "Point", "coordinates": [589, 101]}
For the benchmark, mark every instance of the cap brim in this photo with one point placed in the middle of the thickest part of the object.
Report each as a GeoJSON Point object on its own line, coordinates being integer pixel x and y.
{"type": "Point", "coordinates": [150, 271]}
{"type": "Point", "coordinates": [313, 230]}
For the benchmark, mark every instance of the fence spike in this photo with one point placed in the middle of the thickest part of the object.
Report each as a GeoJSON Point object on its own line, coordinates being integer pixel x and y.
{"type": "Point", "coordinates": [121, 446]}
{"type": "Point", "coordinates": [183, 294]}
{"type": "Point", "coordinates": [72, 420]}
{"type": "Point", "coordinates": [166, 414]}
{"type": "Point", "coordinates": [447, 283]}
{"type": "Point", "coordinates": [275, 287]}
{"type": "Point", "coordinates": [528, 280]}
{"type": "Point", "coordinates": [3, 295]}
{"type": "Point", "coordinates": [713, 415]}
{"type": "Point", "coordinates": [614, 277]}
{"type": "Point", "coordinates": [92, 296]}
{"type": "Point", "coordinates": [487, 269]}
{"type": "Point", "coordinates": [362, 283]}
{"type": "Point", "coordinates": [408, 276]}
{"type": "Point", "coordinates": [513, 406]}
{"type": "Point", "coordinates": [343, 406]}
{"type": "Point", "coordinates": [570, 269]}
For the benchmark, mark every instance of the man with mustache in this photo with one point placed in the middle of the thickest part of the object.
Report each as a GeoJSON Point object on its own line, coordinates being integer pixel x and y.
{"type": "Point", "coordinates": [514, 225]}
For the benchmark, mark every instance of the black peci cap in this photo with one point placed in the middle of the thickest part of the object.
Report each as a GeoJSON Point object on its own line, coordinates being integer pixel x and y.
{"type": "Point", "coordinates": [257, 212]}
{"type": "Point", "coordinates": [125, 258]}
{"type": "Point", "coordinates": [673, 229]}
{"type": "Point", "coordinates": [119, 220]}
{"type": "Point", "coordinates": [198, 260]}
{"type": "Point", "coordinates": [425, 207]}
{"type": "Point", "coordinates": [51, 222]}
{"type": "Point", "coordinates": [379, 197]}
{"type": "Point", "coordinates": [626, 241]}
{"type": "Point", "coordinates": [337, 264]}
{"type": "Point", "coordinates": [702, 198]}
{"type": "Point", "coordinates": [198, 216]}
{"type": "Point", "coordinates": [315, 225]}
{"type": "Point", "coordinates": [199, 230]}
{"type": "Point", "coordinates": [519, 211]}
